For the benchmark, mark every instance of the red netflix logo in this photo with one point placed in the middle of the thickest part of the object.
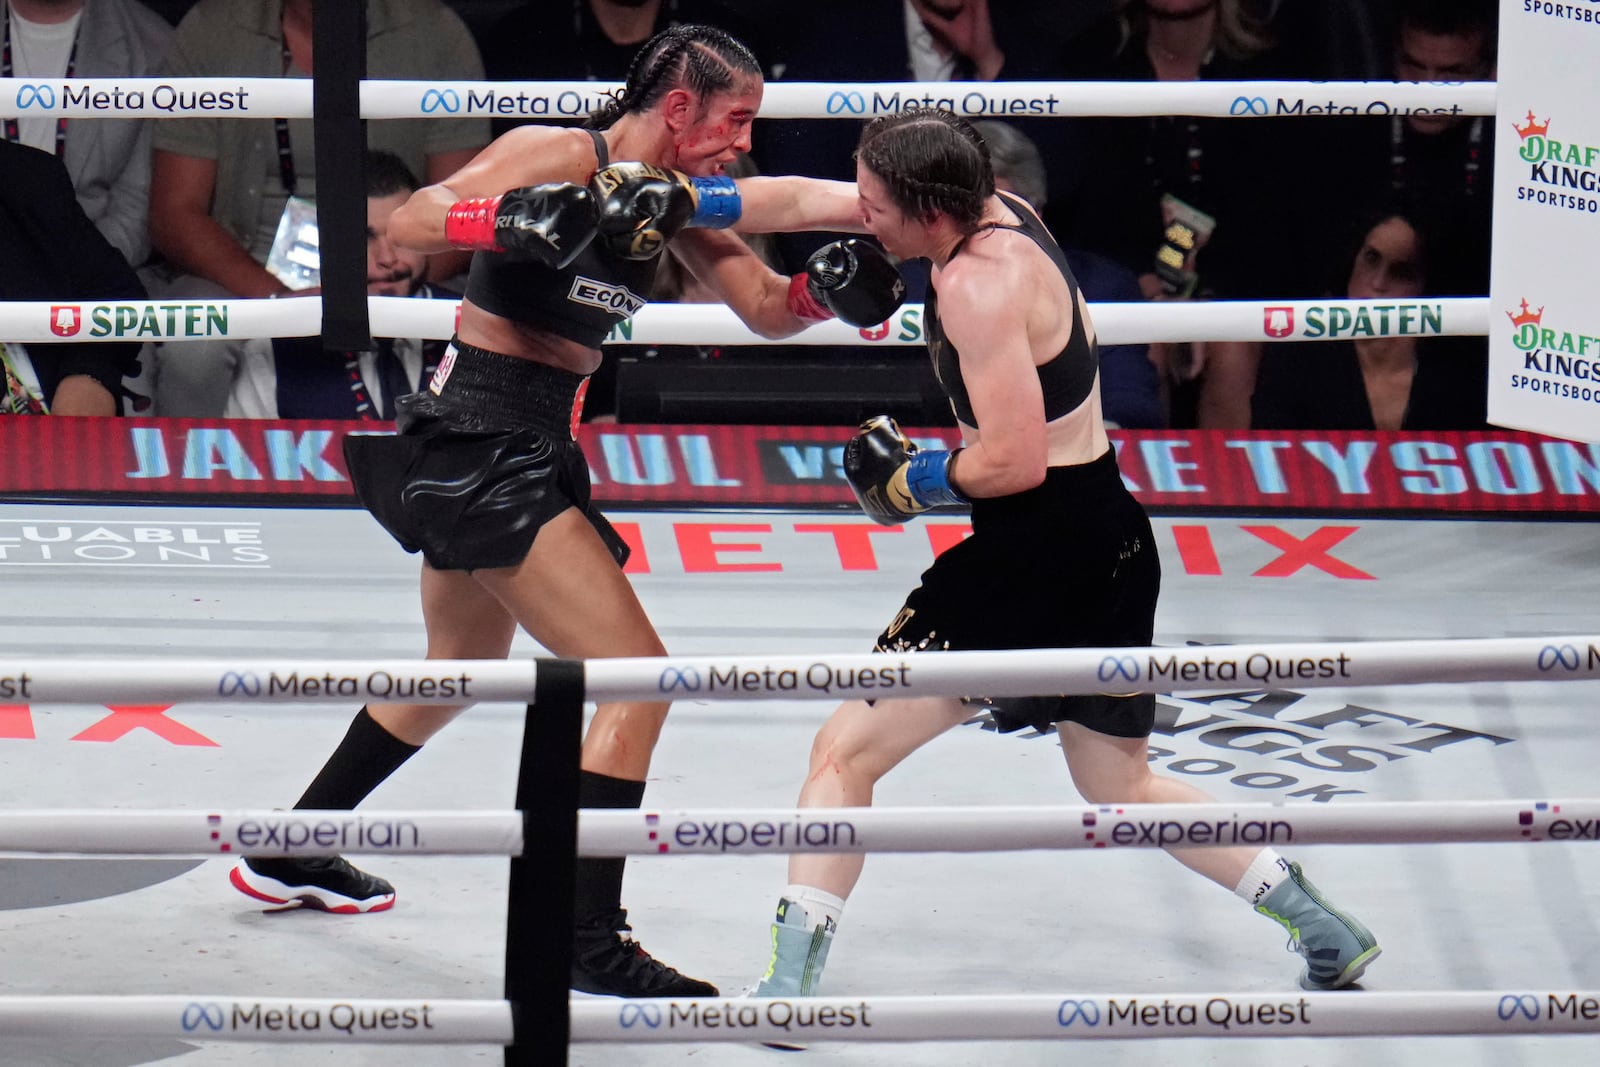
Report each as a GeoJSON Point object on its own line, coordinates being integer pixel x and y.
{"type": "Point", "coordinates": [16, 723]}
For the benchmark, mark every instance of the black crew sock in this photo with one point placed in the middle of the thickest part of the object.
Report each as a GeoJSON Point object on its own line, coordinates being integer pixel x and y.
{"type": "Point", "coordinates": [598, 893]}
{"type": "Point", "coordinates": [367, 755]}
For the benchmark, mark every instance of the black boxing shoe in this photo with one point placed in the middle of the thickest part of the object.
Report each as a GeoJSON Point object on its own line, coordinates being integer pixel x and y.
{"type": "Point", "coordinates": [326, 883]}
{"type": "Point", "coordinates": [608, 962]}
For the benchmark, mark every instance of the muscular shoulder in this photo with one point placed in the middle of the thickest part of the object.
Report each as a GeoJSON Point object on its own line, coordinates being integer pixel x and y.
{"type": "Point", "coordinates": [548, 153]}
{"type": "Point", "coordinates": [987, 276]}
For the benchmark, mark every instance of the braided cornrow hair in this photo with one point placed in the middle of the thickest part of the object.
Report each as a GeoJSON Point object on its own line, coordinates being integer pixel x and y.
{"type": "Point", "coordinates": [930, 160]}
{"type": "Point", "coordinates": [702, 59]}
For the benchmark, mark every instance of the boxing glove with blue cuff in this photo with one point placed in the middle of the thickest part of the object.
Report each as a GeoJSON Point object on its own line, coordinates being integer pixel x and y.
{"type": "Point", "coordinates": [641, 206]}
{"type": "Point", "coordinates": [892, 479]}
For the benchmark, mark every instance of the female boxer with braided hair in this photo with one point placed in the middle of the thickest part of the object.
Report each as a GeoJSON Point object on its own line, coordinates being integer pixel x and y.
{"type": "Point", "coordinates": [1061, 555]}
{"type": "Point", "coordinates": [485, 477]}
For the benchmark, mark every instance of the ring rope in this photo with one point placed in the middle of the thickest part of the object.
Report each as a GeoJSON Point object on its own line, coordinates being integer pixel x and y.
{"type": "Point", "coordinates": [399, 99]}
{"type": "Point", "coordinates": [31, 322]}
{"type": "Point", "coordinates": [213, 1017]}
{"type": "Point", "coordinates": [206, 834]}
{"type": "Point", "coordinates": [1056, 1016]}
{"type": "Point", "coordinates": [1018, 672]}
{"type": "Point", "coordinates": [1036, 1016]}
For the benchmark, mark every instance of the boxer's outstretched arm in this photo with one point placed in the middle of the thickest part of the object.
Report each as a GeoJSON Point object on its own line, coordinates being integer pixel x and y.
{"type": "Point", "coordinates": [524, 156]}
{"type": "Point", "coordinates": [792, 204]}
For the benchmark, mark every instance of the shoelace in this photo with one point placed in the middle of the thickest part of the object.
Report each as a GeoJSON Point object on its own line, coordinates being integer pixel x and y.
{"type": "Point", "coordinates": [631, 960]}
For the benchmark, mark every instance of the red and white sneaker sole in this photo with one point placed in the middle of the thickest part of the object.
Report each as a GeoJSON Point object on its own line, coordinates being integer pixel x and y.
{"type": "Point", "coordinates": [288, 897]}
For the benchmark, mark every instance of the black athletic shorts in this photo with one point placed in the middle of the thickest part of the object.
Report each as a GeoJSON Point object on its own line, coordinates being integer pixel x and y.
{"type": "Point", "coordinates": [484, 457]}
{"type": "Point", "coordinates": [1071, 563]}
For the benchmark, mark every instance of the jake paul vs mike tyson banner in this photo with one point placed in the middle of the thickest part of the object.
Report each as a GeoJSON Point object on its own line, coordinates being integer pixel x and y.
{"type": "Point", "coordinates": [1544, 330]}
{"type": "Point", "coordinates": [294, 463]}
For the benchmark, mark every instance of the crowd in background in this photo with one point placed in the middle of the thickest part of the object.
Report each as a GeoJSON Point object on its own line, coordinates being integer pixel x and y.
{"type": "Point", "coordinates": [1148, 209]}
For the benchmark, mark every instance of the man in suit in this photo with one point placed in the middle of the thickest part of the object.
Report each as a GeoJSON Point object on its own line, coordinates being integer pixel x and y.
{"type": "Point", "coordinates": [297, 378]}
{"type": "Point", "coordinates": [107, 158]}
{"type": "Point", "coordinates": [50, 250]}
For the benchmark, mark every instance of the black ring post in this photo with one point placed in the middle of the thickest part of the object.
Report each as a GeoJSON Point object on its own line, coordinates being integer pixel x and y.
{"type": "Point", "coordinates": [539, 906]}
{"type": "Point", "coordinates": [339, 41]}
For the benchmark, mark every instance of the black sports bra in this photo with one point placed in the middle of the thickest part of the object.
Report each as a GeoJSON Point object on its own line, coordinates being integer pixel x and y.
{"type": "Point", "coordinates": [1066, 379]}
{"type": "Point", "coordinates": [581, 301]}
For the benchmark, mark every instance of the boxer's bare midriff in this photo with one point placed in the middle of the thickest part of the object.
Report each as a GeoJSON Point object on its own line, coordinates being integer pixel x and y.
{"type": "Point", "coordinates": [497, 333]}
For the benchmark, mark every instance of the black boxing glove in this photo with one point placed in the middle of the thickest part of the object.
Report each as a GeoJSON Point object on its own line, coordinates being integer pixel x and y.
{"type": "Point", "coordinates": [549, 223]}
{"type": "Point", "coordinates": [641, 206]}
{"type": "Point", "coordinates": [893, 479]}
{"type": "Point", "coordinates": [852, 280]}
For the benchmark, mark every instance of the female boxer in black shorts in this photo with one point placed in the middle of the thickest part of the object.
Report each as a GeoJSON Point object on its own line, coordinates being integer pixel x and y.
{"type": "Point", "coordinates": [485, 477]}
{"type": "Point", "coordinates": [1060, 555]}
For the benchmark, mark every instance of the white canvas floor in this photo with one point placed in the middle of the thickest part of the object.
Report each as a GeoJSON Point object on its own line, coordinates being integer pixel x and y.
{"type": "Point", "coordinates": [326, 582]}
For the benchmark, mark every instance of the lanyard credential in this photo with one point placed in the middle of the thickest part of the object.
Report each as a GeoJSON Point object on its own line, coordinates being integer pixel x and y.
{"type": "Point", "coordinates": [12, 133]}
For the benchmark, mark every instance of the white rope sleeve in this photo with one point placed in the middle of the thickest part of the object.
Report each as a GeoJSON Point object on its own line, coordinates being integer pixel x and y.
{"type": "Point", "coordinates": [398, 99]}
{"type": "Point", "coordinates": [1036, 1016]}
{"type": "Point", "coordinates": [299, 1020]}
{"type": "Point", "coordinates": [1089, 1016]}
{"type": "Point", "coordinates": [713, 324]}
{"type": "Point", "coordinates": [774, 831]}
{"type": "Point", "coordinates": [1020, 672]}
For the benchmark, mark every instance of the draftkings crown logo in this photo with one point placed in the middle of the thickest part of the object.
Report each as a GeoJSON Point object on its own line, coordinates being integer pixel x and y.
{"type": "Point", "coordinates": [1533, 127]}
{"type": "Point", "coordinates": [1526, 316]}
{"type": "Point", "coordinates": [1538, 147]}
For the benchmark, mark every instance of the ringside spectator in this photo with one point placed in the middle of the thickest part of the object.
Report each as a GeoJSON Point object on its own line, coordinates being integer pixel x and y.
{"type": "Point", "coordinates": [297, 378]}
{"type": "Point", "coordinates": [220, 185]}
{"type": "Point", "coordinates": [1447, 158]}
{"type": "Point", "coordinates": [50, 250]}
{"type": "Point", "coordinates": [108, 159]}
{"type": "Point", "coordinates": [1398, 377]}
{"type": "Point", "coordinates": [1193, 206]}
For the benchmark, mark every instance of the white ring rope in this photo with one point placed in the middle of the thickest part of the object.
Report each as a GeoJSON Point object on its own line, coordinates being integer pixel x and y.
{"type": "Point", "coordinates": [398, 99]}
{"type": "Point", "coordinates": [1037, 1016]}
{"type": "Point", "coordinates": [35, 322]}
{"type": "Point", "coordinates": [715, 832]}
{"type": "Point", "coordinates": [1057, 1016]}
{"type": "Point", "coordinates": [213, 1017]}
{"type": "Point", "coordinates": [1020, 672]}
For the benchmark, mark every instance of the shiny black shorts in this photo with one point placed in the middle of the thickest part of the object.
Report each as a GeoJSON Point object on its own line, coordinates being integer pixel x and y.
{"type": "Point", "coordinates": [1071, 563]}
{"type": "Point", "coordinates": [483, 458]}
